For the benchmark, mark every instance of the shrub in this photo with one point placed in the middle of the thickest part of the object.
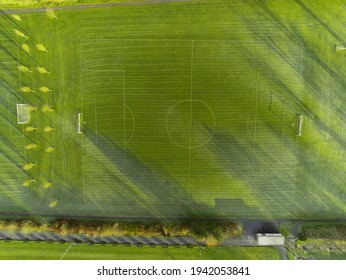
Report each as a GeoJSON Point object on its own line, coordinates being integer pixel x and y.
{"type": "Point", "coordinates": [211, 241]}
{"type": "Point", "coordinates": [208, 232]}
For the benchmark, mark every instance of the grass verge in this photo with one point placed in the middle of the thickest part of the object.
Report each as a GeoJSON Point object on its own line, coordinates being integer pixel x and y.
{"type": "Point", "coordinates": [17, 250]}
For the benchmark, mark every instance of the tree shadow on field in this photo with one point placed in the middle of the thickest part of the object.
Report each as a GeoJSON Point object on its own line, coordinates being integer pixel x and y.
{"type": "Point", "coordinates": [264, 174]}
{"type": "Point", "coordinates": [163, 194]}
{"type": "Point", "coordinates": [320, 21]}
{"type": "Point", "coordinates": [12, 72]}
{"type": "Point", "coordinates": [7, 52]}
{"type": "Point", "coordinates": [310, 59]}
{"type": "Point", "coordinates": [315, 70]}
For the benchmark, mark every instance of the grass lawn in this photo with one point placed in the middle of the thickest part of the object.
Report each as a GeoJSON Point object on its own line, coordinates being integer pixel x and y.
{"type": "Point", "coordinates": [187, 110]}
{"type": "Point", "coordinates": [54, 3]}
{"type": "Point", "coordinates": [328, 256]}
{"type": "Point", "coordinates": [322, 249]}
{"type": "Point", "coordinates": [41, 251]}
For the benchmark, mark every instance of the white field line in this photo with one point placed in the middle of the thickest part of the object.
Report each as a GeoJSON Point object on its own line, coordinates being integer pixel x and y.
{"type": "Point", "coordinates": [68, 249]}
{"type": "Point", "coordinates": [175, 40]}
{"type": "Point", "coordinates": [9, 114]}
{"type": "Point", "coordinates": [103, 70]}
{"type": "Point", "coordinates": [83, 166]}
{"type": "Point", "coordinates": [133, 125]}
{"type": "Point", "coordinates": [95, 115]}
{"type": "Point", "coordinates": [8, 101]}
{"type": "Point", "coordinates": [191, 80]}
{"type": "Point", "coordinates": [20, 80]}
{"type": "Point", "coordinates": [124, 108]}
{"type": "Point", "coordinates": [81, 105]}
{"type": "Point", "coordinates": [21, 95]}
{"type": "Point", "coordinates": [254, 140]}
{"type": "Point", "coordinates": [191, 96]}
{"type": "Point", "coordinates": [328, 89]}
{"type": "Point", "coordinates": [300, 87]}
{"type": "Point", "coordinates": [9, 119]}
{"type": "Point", "coordinates": [283, 126]}
{"type": "Point", "coordinates": [300, 77]}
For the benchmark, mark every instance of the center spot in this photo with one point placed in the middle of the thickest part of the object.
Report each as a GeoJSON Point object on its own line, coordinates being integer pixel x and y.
{"type": "Point", "coordinates": [190, 123]}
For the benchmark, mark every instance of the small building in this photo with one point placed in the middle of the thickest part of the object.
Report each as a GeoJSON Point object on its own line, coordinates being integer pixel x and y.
{"type": "Point", "coordinates": [270, 239]}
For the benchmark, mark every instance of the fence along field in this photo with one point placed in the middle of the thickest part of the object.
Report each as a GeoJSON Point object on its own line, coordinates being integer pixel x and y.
{"type": "Point", "coordinates": [175, 120]}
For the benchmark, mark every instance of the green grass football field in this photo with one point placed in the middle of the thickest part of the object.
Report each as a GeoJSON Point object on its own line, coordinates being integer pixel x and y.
{"type": "Point", "coordinates": [55, 251]}
{"type": "Point", "coordinates": [186, 110]}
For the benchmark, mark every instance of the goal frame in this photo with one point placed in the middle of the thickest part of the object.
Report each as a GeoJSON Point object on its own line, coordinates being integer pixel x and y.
{"type": "Point", "coordinates": [23, 113]}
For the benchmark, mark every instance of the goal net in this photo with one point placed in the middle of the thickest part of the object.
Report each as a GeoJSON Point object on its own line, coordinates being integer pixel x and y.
{"type": "Point", "coordinates": [23, 113]}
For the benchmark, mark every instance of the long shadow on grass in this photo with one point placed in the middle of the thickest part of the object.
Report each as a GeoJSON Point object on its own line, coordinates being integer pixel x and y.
{"type": "Point", "coordinates": [321, 22]}
{"type": "Point", "coordinates": [264, 174]}
{"type": "Point", "coordinates": [309, 77]}
{"type": "Point", "coordinates": [314, 176]}
{"type": "Point", "coordinates": [268, 178]}
{"type": "Point", "coordinates": [164, 196]}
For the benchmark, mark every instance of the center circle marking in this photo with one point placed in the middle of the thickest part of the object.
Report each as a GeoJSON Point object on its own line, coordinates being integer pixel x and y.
{"type": "Point", "coordinates": [181, 123]}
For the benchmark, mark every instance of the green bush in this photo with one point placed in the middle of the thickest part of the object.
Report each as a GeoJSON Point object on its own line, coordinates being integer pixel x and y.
{"type": "Point", "coordinates": [208, 232]}
{"type": "Point", "coordinates": [333, 231]}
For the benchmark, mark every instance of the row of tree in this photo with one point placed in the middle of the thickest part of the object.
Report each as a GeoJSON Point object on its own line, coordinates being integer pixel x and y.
{"type": "Point", "coordinates": [46, 108]}
{"type": "Point", "coordinates": [209, 232]}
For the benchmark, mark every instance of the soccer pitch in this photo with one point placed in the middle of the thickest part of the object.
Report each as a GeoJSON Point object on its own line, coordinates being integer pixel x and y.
{"type": "Point", "coordinates": [219, 109]}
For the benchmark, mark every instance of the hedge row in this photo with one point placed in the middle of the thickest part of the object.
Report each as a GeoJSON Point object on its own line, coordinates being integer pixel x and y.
{"type": "Point", "coordinates": [209, 232]}
{"type": "Point", "coordinates": [332, 231]}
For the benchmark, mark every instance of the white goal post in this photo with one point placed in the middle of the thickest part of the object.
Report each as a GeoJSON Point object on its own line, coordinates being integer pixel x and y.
{"type": "Point", "coordinates": [23, 113]}
{"type": "Point", "coordinates": [79, 121]}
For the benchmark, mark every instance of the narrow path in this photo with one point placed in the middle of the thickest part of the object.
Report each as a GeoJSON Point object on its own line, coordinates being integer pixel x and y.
{"type": "Point", "coordinates": [91, 6]}
{"type": "Point", "coordinates": [292, 238]}
{"type": "Point", "coordinates": [283, 252]}
{"type": "Point", "coordinates": [294, 229]}
{"type": "Point", "coordinates": [79, 238]}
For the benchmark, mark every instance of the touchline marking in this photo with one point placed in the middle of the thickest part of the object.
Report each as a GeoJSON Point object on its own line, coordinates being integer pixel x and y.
{"type": "Point", "coordinates": [24, 148]}
{"type": "Point", "coordinates": [124, 108]}
{"type": "Point", "coordinates": [95, 115]}
{"type": "Point", "coordinates": [9, 114]}
{"type": "Point", "coordinates": [81, 104]}
{"type": "Point", "coordinates": [19, 76]}
{"type": "Point", "coordinates": [103, 70]}
{"type": "Point", "coordinates": [21, 98]}
{"type": "Point", "coordinates": [300, 76]}
{"type": "Point", "coordinates": [175, 40]}
{"type": "Point", "coordinates": [300, 87]}
{"type": "Point", "coordinates": [95, 106]}
{"type": "Point", "coordinates": [283, 126]}
{"type": "Point", "coordinates": [190, 146]}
